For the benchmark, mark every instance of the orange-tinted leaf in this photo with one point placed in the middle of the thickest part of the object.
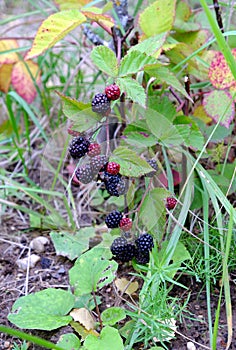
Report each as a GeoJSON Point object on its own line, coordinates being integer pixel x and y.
{"type": "Point", "coordinates": [219, 104]}
{"type": "Point", "coordinates": [5, 77]}
{"type": "Point", "coordinates": [53, 29]}
{"type": "Point", "coordinates": [219, 72]}
{"type": "Point", "coordinates": [22, 82]}
{"type": "Point", "coordinates": [10, 57]}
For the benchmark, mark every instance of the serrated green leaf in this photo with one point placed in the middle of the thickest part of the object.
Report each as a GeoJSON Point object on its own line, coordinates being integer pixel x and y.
{"type": "Point", "coordinates": [72, 245]}
{"type": "Point", "coordinates": [132, 89]}
{"type": "Point", "coordinates": [133, 62]}
{"type": "Point", "coordinates": [163, 129]}
{"type": "Point", "coordinates": [153, 208]}
{"type": "Point", "coordinates": [43, 310]}
{"type": "Point", "coordinates": [80, 113]}
{"type": "Point", "coordinates": [69, 341]}
{"type": "Point", "coordinates": [108, 339]}
{"type": "Point", "coordinates": [131, 164]}
{"type": "Point", "coordinates": [139, 140]}
{"type": "Point", "coordinates": [105, 59]}
{"type": "Point", "coordinates": [92, 271]}
{"type": "Point", "coordinates": [53, 29]}
{"type": "Point", "coordinates": [112, 315]}
{"type": "Point", "coordinates": [151, 45]}
{"type": "Point", "coordinates": [164, 75]}
{"type": "Point", "coordinates": [158, 17]}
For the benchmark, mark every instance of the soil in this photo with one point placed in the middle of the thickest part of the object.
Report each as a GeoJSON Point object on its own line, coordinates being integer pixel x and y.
{"type": "Point", "coordinates": [52, 271]}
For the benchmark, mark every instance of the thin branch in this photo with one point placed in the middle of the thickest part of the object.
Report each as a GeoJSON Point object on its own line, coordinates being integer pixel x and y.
{"type": "Point", "coordinates": [218, 15]}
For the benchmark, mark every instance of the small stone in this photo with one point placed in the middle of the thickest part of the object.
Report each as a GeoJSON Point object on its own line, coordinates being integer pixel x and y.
{"type": "Point", "coordinates": [38, 244]}
{"type": "Point", "coordinates": [191, 346]}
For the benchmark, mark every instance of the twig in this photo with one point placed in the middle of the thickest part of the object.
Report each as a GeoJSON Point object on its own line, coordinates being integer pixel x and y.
{"type": "Point", "coordinates": [97, 310]}
{"type": "Point", "coordinates": [218, 15]}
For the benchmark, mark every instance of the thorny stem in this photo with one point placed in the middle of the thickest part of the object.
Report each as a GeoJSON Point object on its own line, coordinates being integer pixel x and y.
{"type": "Point", "coordinates": [218, 15]}
{"type": "Point", "coordinates": [97, 310]}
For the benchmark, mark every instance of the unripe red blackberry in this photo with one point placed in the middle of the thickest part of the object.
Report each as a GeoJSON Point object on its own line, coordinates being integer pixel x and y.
{"type": "Point", "coordinates": [144, 243]}
{"type": "Point", "coordinates": [78, 147]}
{"type": "Point", "coordinates": [122, 250]}
{"type": "Point", "coordinates": [94, 150]}
{"type": "Point", "coordinates": [113, 168]}
{"type": "Point", "coordinates": [112, 92]}
{"type": "Point", "coordinates": [170, 203]}
{"type": "Point", "coordinates": [100, 104]}
{"type": "Point", "coordinates": [126, 224]}
{"type": "Point", "coordinates": [113, 219]}
{"type": "Point", "coordinates": [84, 174]}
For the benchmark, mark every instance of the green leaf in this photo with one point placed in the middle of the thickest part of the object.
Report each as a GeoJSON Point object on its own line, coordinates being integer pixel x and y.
{"type": "Point", "coordinates": [105, 59]}
{"type": "Point", "coordinates": [163, 129]}
{"type": "Point", "coordinates": [43, 310]}
{"type": "Point", "coordinates": [72, 245]}
{"type": "Point", "coordinates": [80, 113]}
{"type": "Point", "coordinates": [69, 341]}
{"type": "Point", "coordinates": [153, 208]}
{"type": "Point", "coordinates": [219, 105]}
{"type": "Point", "coordinates": [151, 45]}
{"type": "Point", "coordinates": [109, 339]}
{"type": "Point", "coordinates": [163, 105]}
{"type": "Point", "coordinates": [133, 90]}
{"type": "Point", "coordinates": [92, 271]}
{"type": "Point", "coordinates": [112, 315]}
{"type": "Point", "coordinates": [131, 164]}
{"type": "Point", "coordinates": [53, 29]}
{"type": "Point", "coordinates": [164, 75]}
{"type": "Point", "coordinates": [158, 17]}
{"type": "Point", "coordinates": [139, 140]}
{"type": "Point", "coordinates": [133, 62]}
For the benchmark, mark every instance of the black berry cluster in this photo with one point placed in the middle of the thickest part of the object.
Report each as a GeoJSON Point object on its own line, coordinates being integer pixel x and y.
{"type": "Point", "coordinates": [122, 249]}
{"type": "Point", "coordinates": [101, 102]}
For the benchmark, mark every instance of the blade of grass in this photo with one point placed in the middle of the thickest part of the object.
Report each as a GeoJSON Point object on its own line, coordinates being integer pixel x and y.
{"type": "Point", "coordinates": [223, 45]}
{"type": "Point", "coordinates": [31, 338]}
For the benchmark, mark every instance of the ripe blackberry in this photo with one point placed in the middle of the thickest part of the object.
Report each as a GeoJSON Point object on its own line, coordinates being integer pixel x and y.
{"type": "Point", "coordinates": [126, 224]}
{"type": "Point", "coordinates": [142, 257]}
{"type": "Point", "coordinates": [112, 189]}
{"type": "Point", "coordinates": [111, 178]}
{"type": "Point", "coordinates": [78, 147]}
{"type": "Point", "coordinates": [170, 203]}
{"type": "Point", "coordinates": [114, 184]}
{"type": "Point", "coordinates": [112, 92]}
{"type": "Point", "coordinates": [122, 250]}
{"type": "Point", "coordinates": [144, 243]}
{"type": "Point", "coordinates": [84, 174]}
{"type": "Point", "coordinates": [121, 187]}
{"type": "Point", "coordinates": [97, 163]}
{"type": "Point", "coordinates": [113, 219]}
{"type": "Point", "coordinates": [94, 150]}
{"type": "Point", "coordinates": [113, 168]}
{"type": "Point", "coordinates": [154, 165]}
{"type": "Point", "coordinates": [100, 104]}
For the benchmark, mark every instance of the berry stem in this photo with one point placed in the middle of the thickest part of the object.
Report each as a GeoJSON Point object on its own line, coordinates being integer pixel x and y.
{"type": "Point", "coordinates": [97, 310]}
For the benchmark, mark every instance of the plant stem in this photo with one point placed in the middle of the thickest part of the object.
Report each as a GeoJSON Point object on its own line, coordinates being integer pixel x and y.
{"type": "Point", "coordinates": [97, 310]}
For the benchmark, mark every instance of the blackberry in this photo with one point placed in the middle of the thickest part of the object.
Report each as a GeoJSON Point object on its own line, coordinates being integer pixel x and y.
{"type": "Point", "coordinates": [121, 187]}
{"type": "Point", "coordinates": [144, 243]}
{"type": "Point", "coordinates": [126, 224]}
{"type": "Point", "coordinates": [114, 184]}
{"type": "Point", "coordinates": [113, 219]}
{"type": "Point", "coordinates": [112, 92]}
{"type": "Point", "coordinates": [78, 147]}
{"type": "Point", "coordinates": [94, 150]}
{"type": "Point", "coordinates": [97, 163]}
{"type": "Point", "coordinates": [85, 174]}
{"type": "Point", "coordinates": [170, 203]}
{"type": "Point", "coordinates": [142, 257]}
{"type": "Point", "coordinates": [122, 250]}
{"type": "Point", "coordinates": [112, 189]}
{"type": "Point", "coordinates": [154, 165]}
{"type": "Point", "coordinates": [111, 178]}
{"type": "Point", "coordinates": [100, 104]}
{"type": "Point", "coordinates": [113, 168]}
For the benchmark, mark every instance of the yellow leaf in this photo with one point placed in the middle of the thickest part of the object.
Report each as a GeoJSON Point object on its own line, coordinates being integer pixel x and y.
{"type": "Point", "coordinates": [22, 81]}
{"type": "Point", "coordinates": [9, 57]}
{"type": "Point", "coordinates": [84, 317]}
{"type": "Point", "coordinates": [53, 29]}
{"type": "Point", "coordinates": [200, 113]}
{"type": "Point", "coordinates": [125, 286]}
{"type": "Point", "coordinates": [5, 77]}
{"type": "Point", "coordinates": [82, 331]}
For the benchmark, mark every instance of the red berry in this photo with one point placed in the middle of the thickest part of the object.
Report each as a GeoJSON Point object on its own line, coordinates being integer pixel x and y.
{"type": "Point", "coordinates": [170, 203]}
{"type": "Point", "coordinates": [94, 150]}
{"type": "Point", "coordinates": [126, 224]}
{"type": "Point", "coordinates": [112, 92]}
{"type": "Point", "coordinates": [113, 168]}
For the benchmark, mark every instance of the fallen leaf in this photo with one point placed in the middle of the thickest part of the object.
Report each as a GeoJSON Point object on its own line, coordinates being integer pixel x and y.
{"type": "Point", "coordinates": [9, 57]}
{"type": "Point", "coordinates": [84, 317]}
{"type": "Point", "coordinates": [122, 283]}
{"type": "Point", "coordinates": [5, 77]}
